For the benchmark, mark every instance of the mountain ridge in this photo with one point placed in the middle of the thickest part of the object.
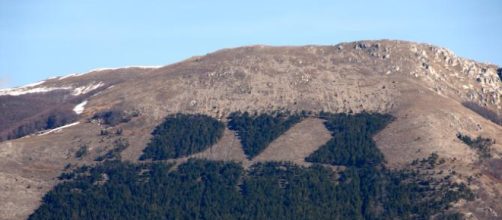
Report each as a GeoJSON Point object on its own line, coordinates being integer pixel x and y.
{"type": "Point", "coordinates": [422, 86]}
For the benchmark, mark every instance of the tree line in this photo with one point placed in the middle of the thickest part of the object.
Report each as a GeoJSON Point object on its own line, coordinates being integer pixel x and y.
{"type": "Point", "coordinates": [201, 189]}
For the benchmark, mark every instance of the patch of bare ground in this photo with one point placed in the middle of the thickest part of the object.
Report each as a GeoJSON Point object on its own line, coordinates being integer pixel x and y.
{"type": "Point", "coordinates": [426, 123]}
{"type": "Point", "coordinates": [297, 143]}
{"type": "Point", "coordinates": [228, 148]}
{"type": "Point", "coordinates": [494, 168]}
{"type": "Point", "coordinates": [139, 130]}
{"type": "Point", "coordinates": [20, 195]}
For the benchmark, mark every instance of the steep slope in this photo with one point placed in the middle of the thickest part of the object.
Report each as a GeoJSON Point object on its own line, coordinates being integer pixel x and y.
{"type": "Point", "coordinates": [52, 103]}
{"type": "Point", "coordinates": [424, 87]}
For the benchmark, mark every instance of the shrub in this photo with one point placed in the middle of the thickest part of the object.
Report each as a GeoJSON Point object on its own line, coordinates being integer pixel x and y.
{"type": "Point", "coordinates": [114, 154]}
{"type": "Point", "coordinates": [82, 151]}
{"type": "Point", "coordinates": [481, 145]}
{"type": "Point", "coordinates": [114, 117]}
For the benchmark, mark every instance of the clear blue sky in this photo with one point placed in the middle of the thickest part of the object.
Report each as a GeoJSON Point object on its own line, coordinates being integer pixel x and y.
{"type": "Point", "coordinates": [39, 38]}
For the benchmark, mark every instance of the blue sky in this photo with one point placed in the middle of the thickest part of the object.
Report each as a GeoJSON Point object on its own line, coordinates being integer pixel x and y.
{"type": "Point", "coordinates": [40, 39]}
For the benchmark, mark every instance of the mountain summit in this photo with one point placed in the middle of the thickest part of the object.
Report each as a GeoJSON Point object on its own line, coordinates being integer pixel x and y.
{"type": "Point", "coordinates": [441, 105]}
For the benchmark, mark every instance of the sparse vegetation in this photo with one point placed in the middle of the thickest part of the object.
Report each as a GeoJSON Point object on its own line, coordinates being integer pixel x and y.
{"type": "Point", "coordinates": [114, 117]}
{"type": "Point", "coordinates": [104, 132]}
{"type": "Point", "coordinates": [82, 151]}
{"type": "Point", "coordinates": [181, 135]}
{"type": "Point", "coordinates": [119, 131]}
{"type": "Point", "coordinates": [114, 154]}
{"type": "Point", "coordinates": [429, 162]}
{"type": "Point", "coordinates": [481, 145]}
{"type": "Point", "coordinates": [432, 160]}
{"type": "Point", "coordinates": [256, 132]}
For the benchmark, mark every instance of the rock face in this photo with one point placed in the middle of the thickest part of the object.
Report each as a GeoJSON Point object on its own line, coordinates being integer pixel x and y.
{"type": "Point", "coordinates": [423, 86]}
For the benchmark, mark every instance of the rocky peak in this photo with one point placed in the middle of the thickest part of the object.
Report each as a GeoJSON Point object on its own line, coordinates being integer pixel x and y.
{"type": "Point", "coordinates": [443, 72]}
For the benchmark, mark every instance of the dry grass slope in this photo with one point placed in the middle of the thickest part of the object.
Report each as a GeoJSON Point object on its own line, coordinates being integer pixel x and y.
{"type": "Point", "coordinates": [423, 86]}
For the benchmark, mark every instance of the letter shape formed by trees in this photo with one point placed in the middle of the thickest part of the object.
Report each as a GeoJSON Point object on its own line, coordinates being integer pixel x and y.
{"type": "Point", "coordinates": [256, 132]}
{"type": "Point", "coordinates": [182, 135]}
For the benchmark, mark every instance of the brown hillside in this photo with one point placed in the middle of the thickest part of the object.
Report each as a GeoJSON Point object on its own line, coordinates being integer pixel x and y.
{"type": "Point", "coordinates": [424, 87]}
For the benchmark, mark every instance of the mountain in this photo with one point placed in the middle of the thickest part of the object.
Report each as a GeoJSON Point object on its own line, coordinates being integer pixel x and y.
{"type": "Point", "coordinates": [440, 105]}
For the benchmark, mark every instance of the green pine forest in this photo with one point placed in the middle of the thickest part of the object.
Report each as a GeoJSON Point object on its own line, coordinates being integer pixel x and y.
{"type": "Point", "coordinates": [200, 189]}
{"type": "Point", "coordinates": [182, 135]}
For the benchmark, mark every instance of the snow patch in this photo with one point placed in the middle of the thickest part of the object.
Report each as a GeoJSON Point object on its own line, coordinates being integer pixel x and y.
{"type": "Point", "coordinates": [29, 89]}
{"type": "Point", "coordinates": [103, 69]}
{"type": "Point", "coordinates": [23, 91]}
{"type": "Point", "coordinates": [124, 67]}
{"type": "Point", "coordinates": [59, 129]}
{"type": "Point", "coordinates": [80, 107]}
{"type": "Point", "coordinates": [33, 84]}
{"type": "Point", "coordinates": [71, 75]}
{"type": "Point", "coordinates": [85, 89]}
{"type": "Point", "coordinates": [53, 77]}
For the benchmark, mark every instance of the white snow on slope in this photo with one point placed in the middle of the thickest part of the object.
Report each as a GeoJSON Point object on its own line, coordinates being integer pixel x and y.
{"type": "Point", "coordinates": [80, 107]}
{"type": "Point", "coordinates": [124, 67]}
{"type": "Point", "coordinates": [71, 75]}
{"type": "Point", "coordinates": [23, 91]}
{"type": "Point", "coordinates": [103, 69]}
{"type": "Point", "coordinates": [33, 84]}
{"type": "Point", "coordinates": [85, 89]}
{"type": "Point", "coordinates": [20, 88]}
{"type": "Point", "coordinates": [32, 89]}
{"type": "Point", "coordinates": [59, 129]}
{"type": "Point", "coordinates": [76, 91]}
